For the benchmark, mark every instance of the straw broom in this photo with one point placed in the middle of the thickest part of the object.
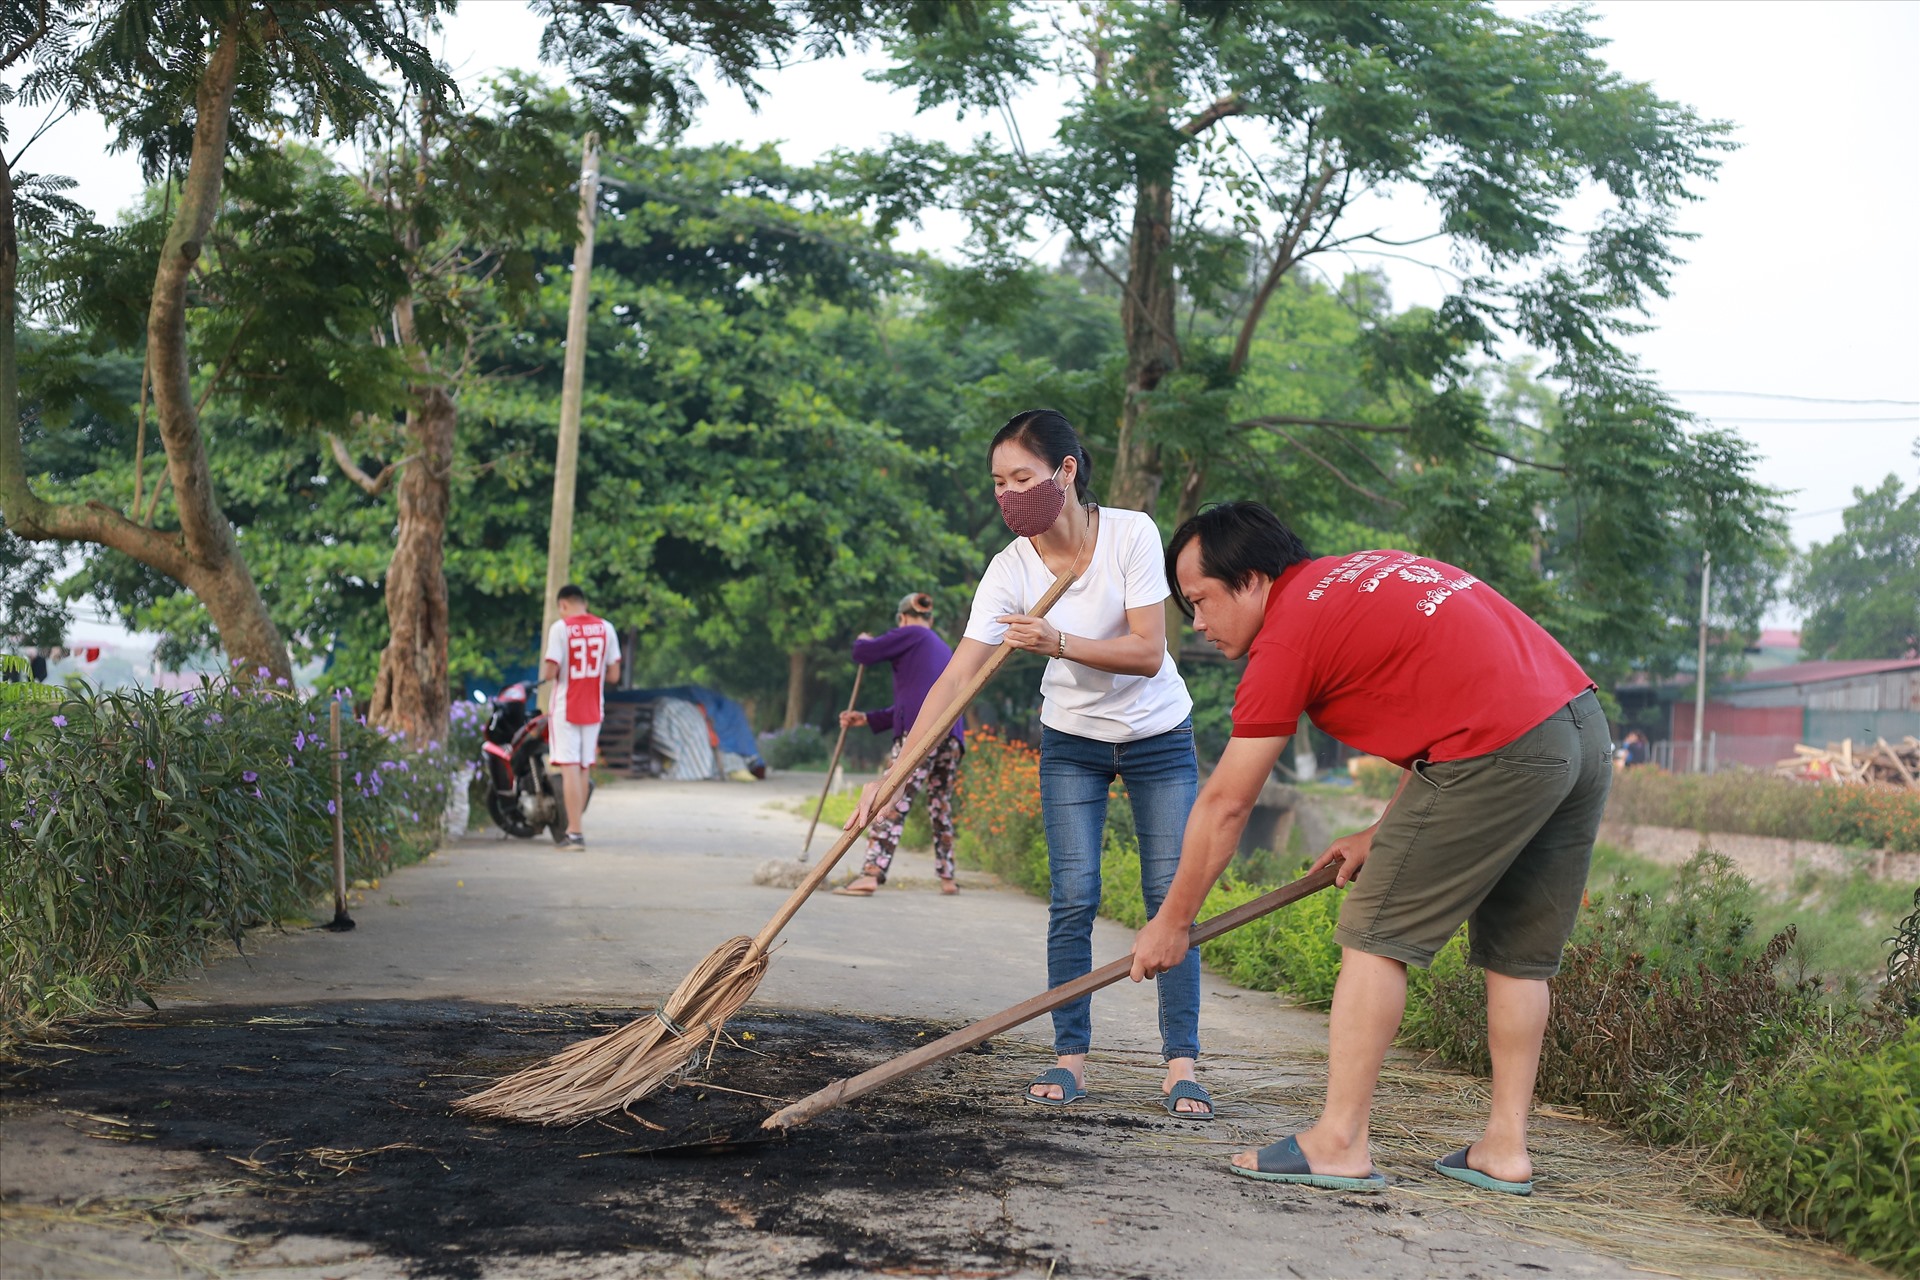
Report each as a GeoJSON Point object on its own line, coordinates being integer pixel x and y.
{"type": "Point", "coordinates": [612, 1071]}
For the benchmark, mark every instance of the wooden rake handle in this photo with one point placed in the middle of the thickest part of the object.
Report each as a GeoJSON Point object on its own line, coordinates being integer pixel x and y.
{"type": "Point", "coordinates": [841, 1091]}
{"type": "Point", "coordinates": [839, 745]}
{"type": "Point", "coordinates": [903, 767]}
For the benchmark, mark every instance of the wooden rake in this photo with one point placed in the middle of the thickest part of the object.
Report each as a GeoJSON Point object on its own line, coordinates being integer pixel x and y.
{"type": "Point", "coordinates": [844, 1091]}
{"type": "Point", "coordinates": [612, 1071]}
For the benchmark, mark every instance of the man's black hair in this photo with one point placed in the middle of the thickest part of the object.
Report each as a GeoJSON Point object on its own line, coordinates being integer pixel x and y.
{"type": "Point", "coordinates": [572, 591]}
{"type": "Point", "coordinates": [1237, 540]}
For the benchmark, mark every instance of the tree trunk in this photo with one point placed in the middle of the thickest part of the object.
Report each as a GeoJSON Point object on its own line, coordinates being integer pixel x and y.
{"type": "Point", "coordinates": [203, 555]}
{"type": "Point", "coordinates": [411, 691]}
{"type": "Point", "coordinates": [796, 688]}
{"type": "Point", "coordinates": [1147, 322]}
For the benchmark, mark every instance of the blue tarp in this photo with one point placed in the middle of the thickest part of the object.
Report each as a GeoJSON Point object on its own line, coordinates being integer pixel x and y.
{"type": "Point", "coordinates": [729, 717]}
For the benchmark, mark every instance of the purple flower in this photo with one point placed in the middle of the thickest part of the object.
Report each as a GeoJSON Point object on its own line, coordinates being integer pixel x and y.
{"type": "Point", "coordinates": [264, 673]}
{"type": "Point", "coordinates": [358, 781]}
{"type": "Point", "coordinates": [257, 795]}
{"type": "Point", "coordinates": [186, 699]}
{"type": "Point", "coordinates": [300, 741]}
{"type": "Point", "coordinates": [330, 808]}
{"type": "Point", "coordinates": [216, 718]}
{"type": "Point", "coordinates": [16, 824]}
{"type": "Point", "coordinates": [3, 766]}
{"type": "Point", "coordinates": [249, 776]}
{"type": "Point", "coordinates": [59, 722]}
{"type": "Point", "coordinates": [149, 764]}
{"type": "Point", "coordinates": [289, 762]}
{"type": "Point", "coordinates": [281, 681]}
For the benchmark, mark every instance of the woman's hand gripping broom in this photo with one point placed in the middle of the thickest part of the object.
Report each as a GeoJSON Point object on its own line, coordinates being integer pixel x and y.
{"type": "Point", "coordinates": [609, 1072]}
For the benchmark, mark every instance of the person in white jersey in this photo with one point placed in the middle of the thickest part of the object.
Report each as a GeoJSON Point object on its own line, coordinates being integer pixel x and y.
{"type": "Point", "coordinates": [1112, 706]}
{"type": "Point", "coordinates": [583, 654]}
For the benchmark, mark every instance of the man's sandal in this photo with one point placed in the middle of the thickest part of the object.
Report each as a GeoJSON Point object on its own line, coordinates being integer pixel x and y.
{"type": "Point", "coordinates": [1285, 1162]}
{"type": "Point", "coordinates": [1455, 1166]}
{"type": "Point", "coordinates": [1070, 1089]}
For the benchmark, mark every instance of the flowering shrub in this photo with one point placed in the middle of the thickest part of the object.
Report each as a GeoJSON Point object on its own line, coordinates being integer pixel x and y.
{"type": "Point", "coordinates": [137, 826]}
{"type": "Point", "coordinates": [1736, 802]}
{"type": "Point", "coordinates": [997, 810]}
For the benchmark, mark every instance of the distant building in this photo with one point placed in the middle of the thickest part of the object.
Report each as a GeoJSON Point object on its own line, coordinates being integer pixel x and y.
{"type": "Point", "coordinates": [1757, 719]}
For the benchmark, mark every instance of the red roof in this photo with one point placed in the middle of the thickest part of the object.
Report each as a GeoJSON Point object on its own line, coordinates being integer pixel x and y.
{"type": "Point", "coordinates": [1819, 672]}
{"type": "Point", "coordinates": [1778, 638]}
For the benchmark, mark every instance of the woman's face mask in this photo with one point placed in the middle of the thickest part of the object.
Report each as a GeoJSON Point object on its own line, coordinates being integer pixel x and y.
{"type": "Point", "coordinates": [1031, 511]}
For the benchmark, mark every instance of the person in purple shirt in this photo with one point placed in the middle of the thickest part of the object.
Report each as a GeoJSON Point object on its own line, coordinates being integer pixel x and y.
{"type": "Point", "coordinates": [918, 655]}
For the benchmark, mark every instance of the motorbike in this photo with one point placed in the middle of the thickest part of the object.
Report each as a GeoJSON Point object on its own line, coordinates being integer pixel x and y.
{"type": "Point", "coordinates": [523, 793]}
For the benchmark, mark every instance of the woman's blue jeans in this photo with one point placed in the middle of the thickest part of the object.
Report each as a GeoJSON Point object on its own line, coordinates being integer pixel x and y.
{"type": "Point", "coordinates": [1161, 777]}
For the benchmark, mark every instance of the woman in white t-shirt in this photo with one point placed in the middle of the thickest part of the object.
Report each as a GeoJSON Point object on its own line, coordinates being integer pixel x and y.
{"type": "Point", "coordinates": [1113, 706]}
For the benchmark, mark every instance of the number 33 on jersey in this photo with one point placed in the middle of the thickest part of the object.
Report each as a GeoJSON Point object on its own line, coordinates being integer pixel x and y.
{"type": "Point", "coordinates": [581, 646]}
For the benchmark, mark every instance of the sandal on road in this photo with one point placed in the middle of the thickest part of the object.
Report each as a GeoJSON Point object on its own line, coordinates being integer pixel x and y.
{"type": "Point", "coordinates": [1188, 1091]}
{"type": "Point", "coordinates": [855, 889]}
{"type": "Point", "coordinates": [1455, 1166]}
{"type": "Point", "coordinates": [1070, 1089]}
{"type": "Point", "coordinates": [1284, 1161]}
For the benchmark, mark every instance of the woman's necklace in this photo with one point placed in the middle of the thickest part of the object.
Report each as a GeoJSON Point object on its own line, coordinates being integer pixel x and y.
{"type": "Point", "coordinates": [1086, 539]}
{"type": "Point", "coordinates": [1078, 565]}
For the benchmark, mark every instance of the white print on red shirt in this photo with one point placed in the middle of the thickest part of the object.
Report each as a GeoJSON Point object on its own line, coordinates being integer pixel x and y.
{"type": "Point", "coordinates": [1407, 568]}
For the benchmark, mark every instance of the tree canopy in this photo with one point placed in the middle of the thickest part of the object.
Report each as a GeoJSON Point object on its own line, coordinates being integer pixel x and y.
{"type": "Point", "coordinates": [1861, 590]}
{"type": "Point", "coordinates": [785, 416]}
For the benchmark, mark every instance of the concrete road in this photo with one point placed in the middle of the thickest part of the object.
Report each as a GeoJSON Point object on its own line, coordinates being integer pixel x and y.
{"type": "Point", "coordinates": [667, 876]}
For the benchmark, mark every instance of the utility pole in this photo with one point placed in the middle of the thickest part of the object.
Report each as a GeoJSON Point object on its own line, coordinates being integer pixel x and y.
{"type": "Point", "coordinates": [573, 374]}
{"type": "Point", "coordinates": [1700, 678]}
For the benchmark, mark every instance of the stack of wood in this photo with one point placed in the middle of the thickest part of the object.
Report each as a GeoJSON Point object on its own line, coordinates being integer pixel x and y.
{"type": "Point", "coordinates": [1898, 764]}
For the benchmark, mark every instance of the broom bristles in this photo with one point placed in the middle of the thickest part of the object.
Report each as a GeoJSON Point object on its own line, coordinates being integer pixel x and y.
{"type": "Point", "coordinates": [611, 1071]}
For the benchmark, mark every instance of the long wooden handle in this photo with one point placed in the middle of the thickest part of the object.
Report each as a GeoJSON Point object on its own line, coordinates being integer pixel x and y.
{"type": "Point", "coordinates": [906, 1064]}
{"type": "Point", "coordinates": [839, 745]}
{"type": "Point", "coordinates": [909, 760]}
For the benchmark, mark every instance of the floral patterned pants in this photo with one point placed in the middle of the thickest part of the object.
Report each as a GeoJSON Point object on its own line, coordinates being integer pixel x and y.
{"type": "Point", "coordinates": [936, 774]}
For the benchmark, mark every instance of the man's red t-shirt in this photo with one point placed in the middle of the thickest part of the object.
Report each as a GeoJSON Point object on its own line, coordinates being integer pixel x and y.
{"type": "Point", "coordinates": [1402, 657]}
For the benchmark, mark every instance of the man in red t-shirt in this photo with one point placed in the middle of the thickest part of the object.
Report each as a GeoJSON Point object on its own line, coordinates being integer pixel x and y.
{"type": "Point", "coordinates": [583, 653]}
{"type": "Point", "coordinates": [1508, 763]}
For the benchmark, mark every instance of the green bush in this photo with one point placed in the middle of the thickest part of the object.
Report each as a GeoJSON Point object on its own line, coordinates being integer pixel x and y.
{"type": "Point", "coordinates": [1831, 1145]}
{"type": "Point", "coordinates": [1740, 802]}
{"type": "Point", "coordinates": [790, 748]}
{"type": "Point", "coordinates": [1377, 779]}
{"type": "Point", "coordinates": [138, 826]}
{"type": "Point", "coordinates": [1289, 950]}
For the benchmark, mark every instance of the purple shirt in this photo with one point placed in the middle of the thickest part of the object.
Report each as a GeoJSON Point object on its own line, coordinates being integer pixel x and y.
{"type": "Point", "coordinates": [918, 655]}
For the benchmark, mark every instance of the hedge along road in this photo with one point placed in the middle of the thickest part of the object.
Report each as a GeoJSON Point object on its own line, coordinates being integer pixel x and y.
{"type": "Point", "coordinates": [286, 1112]}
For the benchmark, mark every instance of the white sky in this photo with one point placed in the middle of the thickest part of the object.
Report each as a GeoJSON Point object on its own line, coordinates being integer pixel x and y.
{"type": "Point", "coordinates": [1804, 281]}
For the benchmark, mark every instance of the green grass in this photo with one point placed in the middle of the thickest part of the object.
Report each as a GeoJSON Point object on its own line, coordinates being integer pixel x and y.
{"type": "Point", "coordinates": [1843, 922]}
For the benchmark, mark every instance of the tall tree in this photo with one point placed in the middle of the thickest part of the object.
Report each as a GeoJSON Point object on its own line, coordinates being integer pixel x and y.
{"type": "Point", "coordinates": [1861, 589]}
{"type": "Point", "coordinates": [1212, 149]}
{"type": "Point", "coordinates": [175, 77]}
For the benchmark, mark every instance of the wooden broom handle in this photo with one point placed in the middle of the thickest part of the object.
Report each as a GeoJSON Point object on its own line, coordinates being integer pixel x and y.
{"type": "Point", "coordinates": [842, 1091]}
{"type": "Point", "coordinates": [903, 767]}
{"type": "Point", "coordinates": [839, 745]}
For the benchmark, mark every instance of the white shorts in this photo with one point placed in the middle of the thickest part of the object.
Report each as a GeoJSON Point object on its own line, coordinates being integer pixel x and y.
{"type": "Point", "coordinates": [572, 743]}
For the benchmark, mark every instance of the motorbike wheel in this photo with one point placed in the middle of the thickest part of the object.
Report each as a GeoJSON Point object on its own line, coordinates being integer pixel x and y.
{"type": "Point", "coordinates": [504, 809]}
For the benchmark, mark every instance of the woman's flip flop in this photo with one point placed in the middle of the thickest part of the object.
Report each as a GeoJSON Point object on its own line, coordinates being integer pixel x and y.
{"type": "Point", "coordinates": [1069, 1088]}
{"type": "Point", "coordinates": [1285, 1162]}
{"type": "Point", "coordinates": [1190, 1090]}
